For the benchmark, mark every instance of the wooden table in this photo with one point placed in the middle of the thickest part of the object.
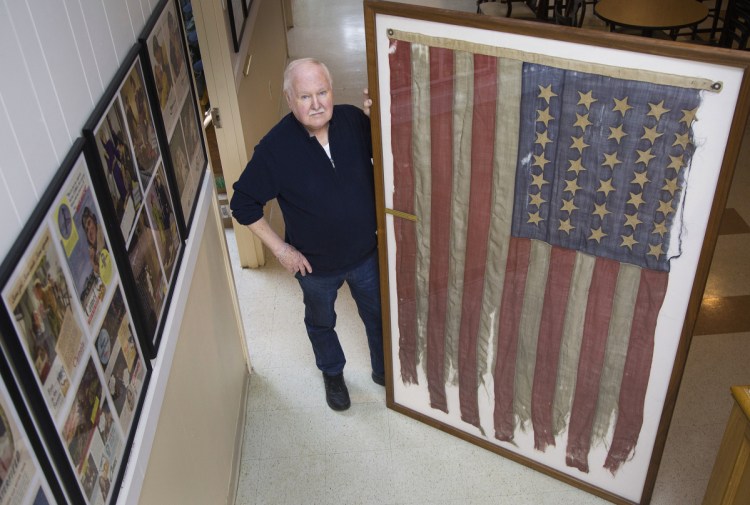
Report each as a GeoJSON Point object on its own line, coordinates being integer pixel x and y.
{"type": "Point", "coordinates": [650, 15]}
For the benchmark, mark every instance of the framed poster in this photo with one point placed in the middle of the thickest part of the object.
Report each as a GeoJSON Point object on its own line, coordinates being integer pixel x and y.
{"type": "Point", "coordinates": [72, 335]}
{"type": "Point", "coordinates": [130, 176]}
{"type": "Point", "coordinates": [24, 477]}
{"type": "Point", "coordinates": [548, 203]}
{"type": "Point", "coordinates": [168, 75]}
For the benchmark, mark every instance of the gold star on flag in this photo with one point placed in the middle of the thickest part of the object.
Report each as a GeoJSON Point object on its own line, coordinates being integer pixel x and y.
{"type": "Point", "coordinates": [640, 179]}
{"type": "Point", "coordinates": [538, 180]}
{"type": "Point", "coordinates": [606, 187]}
{"type": "Point", "coordinates": [636, 199]}
{"type": "Point", "coordinates": [539, 161]}
{"type": "Point", "coordinates": [655, 250]}
{"type": "Point", "coordinates": [660, 228]}
{"type": "Point", "coordinates": [671, 186]}
{"type": "Point", "coordinates": [677, 163]}
{"type": "Point", "coordinates": [628, 241]}
{"type": "Point", "coordinates": [616, 133]}
{"type": "Point", "coordinates": [688, 116]}
{"type": "Point", "coordinates": [568, 205]}
{"type": "Point", "coordinates": [579, 144]}
{"type": "Point", "coordinates": [611, 160]}
{"type": "Point", "coordinates": [572, 186]}
{"type": "Point", "coordinates": [542, 138]}
{"type": "Point", "coordinates": [657, 109]}
{"type": "Point", "coordinates": [576, 166]}
{"type": "Point", "coordinates": [681, 139]}
{"type": "Point", "coordinates": [621, 106]}
{"type": "Point", "coordinates": [597, 234]}
{"type": "Point", "coordinates": [582, 121]}
{"type": "Point", "coordinates": [566, 226]}
{"type": "Point", "coordinates": [651, 134]}
{"type": "Point", "coordinates": [586, 99]}
{"type": "Point", "coordinates": [601, 209]}
{"type": "Point", "coordinates": [546, 93]}
{"type": "Point", "coordinates": [536, 199]}
{"type": "Point", "coordinates": [632, 220]}
{"type": "Point", "coordinates": [544, 116]}
{"type": "Point", "coordinates": [644, 156]}
{"type": "Point", "coordinates": [665, 207]}
{"type": "Point", "coordinates": [535, 218]}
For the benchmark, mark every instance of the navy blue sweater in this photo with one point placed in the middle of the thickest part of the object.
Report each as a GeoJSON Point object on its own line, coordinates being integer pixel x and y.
{"type": "Point", "coordinates": [328, 208]}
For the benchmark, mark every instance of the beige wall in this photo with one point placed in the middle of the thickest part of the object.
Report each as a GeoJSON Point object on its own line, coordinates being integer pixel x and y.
{"type": "Point", "coordinates": [260, 98]}
{"type": "Point", "coordinates": [194, 452]}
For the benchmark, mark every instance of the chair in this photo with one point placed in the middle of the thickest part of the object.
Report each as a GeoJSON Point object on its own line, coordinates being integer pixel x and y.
{"type": "Point", "coordinates": [530, 9]}
{"type": "Point", "coordinates": [570, 12]}
{"type": "Point", "coordinates": [736, 30]}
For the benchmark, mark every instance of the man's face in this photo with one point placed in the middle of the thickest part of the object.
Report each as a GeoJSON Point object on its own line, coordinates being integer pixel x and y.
{"type": "Point", "coordinates": [311, 97]}
{"type": "Point", "coordinates": [91, 230]}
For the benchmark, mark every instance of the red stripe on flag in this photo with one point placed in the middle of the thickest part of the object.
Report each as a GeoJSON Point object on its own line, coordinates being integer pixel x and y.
{"type": "Point", "coordinates": [516, 269]}
{"type": "Point", "coordinates": [441, 133]}
{"type": "Point", "coordinates": [403, 200]}
{"type": "Point", "coordinates": [595, 330]}
{"type": "Point", "coordinates": [651, 292]}
{"type": "Point", "coordinates": [480, 201]}
{"type": "Point", "coordinates": [556, 292]}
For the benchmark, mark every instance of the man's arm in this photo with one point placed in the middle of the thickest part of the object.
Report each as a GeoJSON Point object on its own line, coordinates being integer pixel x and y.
{"type": "Point", "coordinates": [289, 257]}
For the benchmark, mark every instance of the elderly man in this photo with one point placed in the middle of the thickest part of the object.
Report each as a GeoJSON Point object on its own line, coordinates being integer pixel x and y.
{"type": "Point", "coordinates": [317, 162]}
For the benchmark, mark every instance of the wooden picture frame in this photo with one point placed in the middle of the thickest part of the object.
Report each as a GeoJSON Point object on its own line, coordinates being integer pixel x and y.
{"type": "Point", "coordinates": [138, 194]}
{"type": "Point", "coordinates": [70, 336]}
{"type": "Point", "coordinates": [490, 171]}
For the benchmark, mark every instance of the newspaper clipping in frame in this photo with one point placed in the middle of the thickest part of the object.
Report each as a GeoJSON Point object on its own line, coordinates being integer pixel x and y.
{"type": "Point", "coordinates": [81, 232]}
{"type": "Point", "coordinates": [124, 372]}
{"type": "Point", "coordinates": [39, 298]}
{"type": "Point", "coordinates": [92, 439]}
{"type": "Point", "coordinates": [21, 479]}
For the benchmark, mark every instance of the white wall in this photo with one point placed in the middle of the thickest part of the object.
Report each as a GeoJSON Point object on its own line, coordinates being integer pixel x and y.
{"type": "Point", "coordinates": [58, 56]}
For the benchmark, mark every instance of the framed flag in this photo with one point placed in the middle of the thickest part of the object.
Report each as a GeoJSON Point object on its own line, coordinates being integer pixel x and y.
{"type": "Point", "coordinates": [130, 175]}
{"type": "Point", "coordinates": [70, 336]}
{"type": "Point", "coordinates": [548, 203]}
{"type": "Point", "coordinates": [169, 78]}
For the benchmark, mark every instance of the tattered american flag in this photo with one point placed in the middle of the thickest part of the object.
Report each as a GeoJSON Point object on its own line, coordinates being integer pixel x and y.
{"type": "Point", "coordinates": [545, 203]}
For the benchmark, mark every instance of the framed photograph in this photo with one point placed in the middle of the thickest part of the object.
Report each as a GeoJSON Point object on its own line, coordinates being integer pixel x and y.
{"type": "Point", "coordinates": [128, 168]}
{"type": "Point", "coordinates": [71, 333]}
{"type": "Point", "coordinates": [548, 203]}
{"type": "Point", "coordinates": [171, 83]}
{"type": "Point", "coordinates": [25, 477]}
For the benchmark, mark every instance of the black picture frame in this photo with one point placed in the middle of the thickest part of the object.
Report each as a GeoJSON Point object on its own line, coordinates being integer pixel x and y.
{"type": "Point", "coordinates": [170, 81]}
{"type": "Point", "coordinates": [69, 335]}
{"type": "Point", "coordinates": [246, 4]}
{"type": "Point", "coordinates": [138, 196]}
{"type": "Point", "coordinates": [28, 473]}
{"type": "Point", "coordinates": [237, 11]}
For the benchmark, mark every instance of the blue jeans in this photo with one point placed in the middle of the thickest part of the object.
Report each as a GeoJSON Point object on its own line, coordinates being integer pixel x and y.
{"type": "Point", "coordinates": [319, 295]}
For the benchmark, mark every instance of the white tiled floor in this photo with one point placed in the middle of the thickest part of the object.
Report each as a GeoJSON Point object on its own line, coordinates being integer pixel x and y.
{"type": "Point", "coordinates": [298, 451]}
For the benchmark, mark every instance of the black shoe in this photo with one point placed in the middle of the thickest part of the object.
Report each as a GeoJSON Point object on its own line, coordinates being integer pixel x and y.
{"type": "Point", "coordinates": [378, 379]}
{"type": "Point", "coordinates": [337, 396]}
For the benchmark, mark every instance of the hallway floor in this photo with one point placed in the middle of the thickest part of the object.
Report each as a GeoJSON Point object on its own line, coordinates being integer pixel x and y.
{"type": "Point", "coordinates": [298, 451]}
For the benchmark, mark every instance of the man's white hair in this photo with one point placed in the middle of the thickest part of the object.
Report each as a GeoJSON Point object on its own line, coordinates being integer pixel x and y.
{"type": "Point", "coordinates": [292, 66]}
